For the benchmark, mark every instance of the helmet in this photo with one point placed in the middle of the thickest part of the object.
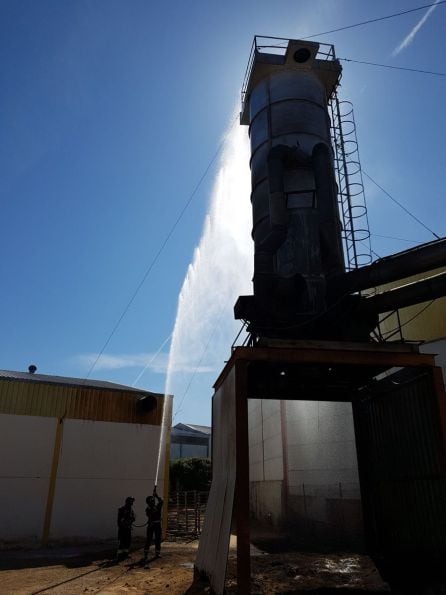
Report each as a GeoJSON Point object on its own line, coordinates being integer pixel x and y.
{"type": "Point", "coordinates": [129, 500]}
{"type": "Point", "coordinates": [150, 500]}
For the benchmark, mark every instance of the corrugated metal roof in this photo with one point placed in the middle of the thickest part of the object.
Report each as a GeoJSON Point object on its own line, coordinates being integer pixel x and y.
{"type": "Point", "coordinates": [67, 381]}
{"type": "Point", "coordinates": [56, 396]}
{"type": "Point", "coordinates": [193, 428]}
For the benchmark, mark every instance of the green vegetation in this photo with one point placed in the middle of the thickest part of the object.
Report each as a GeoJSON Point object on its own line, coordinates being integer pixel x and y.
{"type": "Point", "coordinates": [190, 474]}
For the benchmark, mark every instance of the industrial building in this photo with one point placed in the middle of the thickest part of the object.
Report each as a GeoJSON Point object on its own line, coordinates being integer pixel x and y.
{"type": "Point", "coordinates": [188, 440]}
{"type": "Point", "coordinates": [303, 463]}
{"type": "Point", "coordinates": [328, 426]}
{"type": "Point", "coordinates": [72, 451]}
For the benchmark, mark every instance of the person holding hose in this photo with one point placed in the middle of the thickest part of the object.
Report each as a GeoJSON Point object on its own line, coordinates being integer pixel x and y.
{"type": "Point", "coordinates": [153, 512]}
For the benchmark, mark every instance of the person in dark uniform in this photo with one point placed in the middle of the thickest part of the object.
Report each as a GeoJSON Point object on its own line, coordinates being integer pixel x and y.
{"type": "Point", "coordinates": [126, 518]}
{"type": "Point", "coordinates": [153, 512]}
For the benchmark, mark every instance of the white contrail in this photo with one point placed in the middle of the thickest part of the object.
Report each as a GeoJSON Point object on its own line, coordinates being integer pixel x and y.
{"type": "Point", "coordinates": [411, 36]}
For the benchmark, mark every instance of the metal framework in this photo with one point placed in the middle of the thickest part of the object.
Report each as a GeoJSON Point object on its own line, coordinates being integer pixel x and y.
{"type": "Point", "coordinates": [239, 381]}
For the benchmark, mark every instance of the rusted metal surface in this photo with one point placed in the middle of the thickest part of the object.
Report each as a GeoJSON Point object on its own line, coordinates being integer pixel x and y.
{"type": "Point", "coordinates": [366, 361]}
{"type": "Point", "coordinates": [400, 432]}
{"type": "Point", "coordinates": [74, 402]}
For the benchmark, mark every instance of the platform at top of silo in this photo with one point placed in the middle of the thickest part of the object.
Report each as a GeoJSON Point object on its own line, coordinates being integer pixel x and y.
{"type": "Point", "coordinates": [271, 54]}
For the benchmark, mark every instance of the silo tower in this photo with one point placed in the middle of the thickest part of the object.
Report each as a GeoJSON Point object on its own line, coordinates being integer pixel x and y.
{"type": "Point", "coordinates": [297, 230]}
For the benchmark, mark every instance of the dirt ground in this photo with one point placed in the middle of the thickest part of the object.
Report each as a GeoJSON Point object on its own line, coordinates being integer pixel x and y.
{"type": "Point", "coordinates": [93, 570]}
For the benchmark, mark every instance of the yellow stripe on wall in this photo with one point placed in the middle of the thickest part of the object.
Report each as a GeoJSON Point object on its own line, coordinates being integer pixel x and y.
{"type": "Point", "coordinates": [52, 481]}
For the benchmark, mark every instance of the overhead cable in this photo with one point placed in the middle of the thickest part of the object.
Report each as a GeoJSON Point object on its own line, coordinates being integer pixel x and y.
{"type": "Point", "coordinates": [377, 235]}
{"type": "Point", "coordinates": [152, 359]}
{"type": "Point", "coordinates": [369, 21]}
{"type": "Point", "coordinates": [394, 67]}
{"type": "Point", "coordinates": [155, 258]}
{"type": "Point", "coordinates": [401, 206]}
{"type": "Point", "coordinates": [388, 334]}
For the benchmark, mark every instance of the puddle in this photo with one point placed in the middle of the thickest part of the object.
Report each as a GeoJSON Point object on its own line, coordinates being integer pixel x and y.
{"type": "Point", "coordinates": [187, 565]}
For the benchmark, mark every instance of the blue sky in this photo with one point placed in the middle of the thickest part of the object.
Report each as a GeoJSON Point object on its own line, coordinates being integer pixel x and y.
{"type": "Point", "coordinates": [111, 111]}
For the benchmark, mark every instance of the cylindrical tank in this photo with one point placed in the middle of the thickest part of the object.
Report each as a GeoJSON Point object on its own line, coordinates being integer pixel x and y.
{"type": "Point", "coordinates": [296, 229]}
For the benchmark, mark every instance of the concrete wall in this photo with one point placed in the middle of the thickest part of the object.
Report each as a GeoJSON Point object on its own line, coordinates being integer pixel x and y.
{"type": "Point", "coordinates": [265, 440]}
{"type": "Point", "coordinates": [321, 445]}
{"type": "Point", "coordinates": [100, 464]}
{"type": "Point", "coordinates": [266, 501]}
{"type": "Point", "coordinates": [323, 499]}
{"type": "Point", "coordinates": [265, 460]}
{"type": "Point", "coordinates": [318, 495]}
{"type": "Point", "coordinates": [26, 446]}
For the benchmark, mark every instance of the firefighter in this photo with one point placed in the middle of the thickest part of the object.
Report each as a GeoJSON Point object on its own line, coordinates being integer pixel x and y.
{"type": "Point", "coordinates": [126, 518]}
{"type": "Point", "coordinates": [153, 512]}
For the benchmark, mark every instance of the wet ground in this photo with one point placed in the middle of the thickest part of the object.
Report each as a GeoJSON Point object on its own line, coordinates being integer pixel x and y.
{"type": "Point", "coordinates": [294, 572]}
{"type": "Point", "coordinates": [92, 570]}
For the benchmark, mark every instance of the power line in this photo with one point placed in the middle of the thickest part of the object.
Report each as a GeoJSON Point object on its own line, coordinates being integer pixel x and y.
{"type": "Point", "coordinates": [152, 359]}
{"type": "Point", "coordinates": [394, 67]}
{"type": "Point", "coordinates": [388, 334]}
{"type": "Point", "coordinates": [389, 16]}
{"type": "Point", "coordinates": [155, 258]}
{"type": "Point", "coordinates": [377, 235]}
{"type": "Point", "coordinates": [401, 206]}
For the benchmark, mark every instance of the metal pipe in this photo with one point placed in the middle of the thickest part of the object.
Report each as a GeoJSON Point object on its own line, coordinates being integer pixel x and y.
{"type": "Point", "coordinates": [329, 223]}
{"type": "Point", "coordinates": [278, 157]}
{"type": "Point", "coordinates": [408, 295]}
{"type": "Point", "coordinates": [422, 258]}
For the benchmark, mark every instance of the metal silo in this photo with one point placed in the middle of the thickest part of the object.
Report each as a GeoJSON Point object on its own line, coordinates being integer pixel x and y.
{"type": "Point", "coordinates": [296, 226]}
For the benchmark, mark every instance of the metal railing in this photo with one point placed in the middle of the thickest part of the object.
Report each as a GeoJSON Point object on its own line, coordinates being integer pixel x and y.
{"type": "Point", "coordinates": [186, 513]}
{"type": "Point", "coordinates": [278, 46]}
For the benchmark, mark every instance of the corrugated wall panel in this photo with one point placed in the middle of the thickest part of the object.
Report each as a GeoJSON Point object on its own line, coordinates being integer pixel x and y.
{"type": "Point", "coordinates": [401, 455]}
{"type": "Point", "coordinates": [47, 400]}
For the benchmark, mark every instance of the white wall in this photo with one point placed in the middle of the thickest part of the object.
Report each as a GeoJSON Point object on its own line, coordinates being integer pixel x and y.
{"type": "Point", "coordinates": [321, 446]}
{"type": "Point", "coordinates": [265, 440]}
{"type": "Point", "coordinates": [321, 457]}
{"type": "Point", "coordinates": [101, 463]}
{"type": "Point", "coordinates": [26, 447]}
{"type": "Point", "coordinates": [438, 348]}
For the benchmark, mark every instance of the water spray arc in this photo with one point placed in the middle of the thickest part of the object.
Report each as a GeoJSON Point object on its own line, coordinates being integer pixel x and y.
{"type": "Point", "coordinates": [220, 269]}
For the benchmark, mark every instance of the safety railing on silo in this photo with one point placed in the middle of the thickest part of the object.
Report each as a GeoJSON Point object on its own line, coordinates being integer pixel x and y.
{"type": "Point", "coordinates": [278, 46]}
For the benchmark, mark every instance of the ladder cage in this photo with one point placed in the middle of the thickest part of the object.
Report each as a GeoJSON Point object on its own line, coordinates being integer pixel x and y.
{"type": "Point", "coordinates": [351, 196]}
